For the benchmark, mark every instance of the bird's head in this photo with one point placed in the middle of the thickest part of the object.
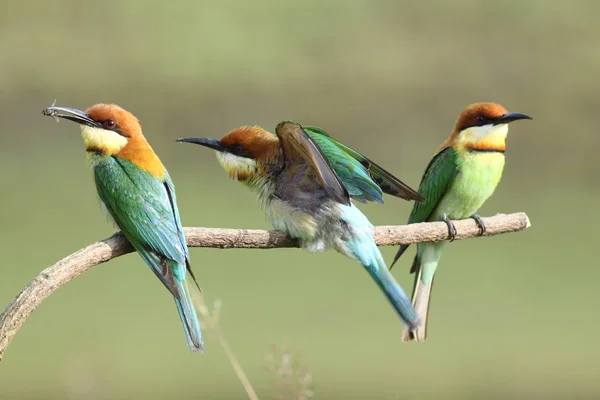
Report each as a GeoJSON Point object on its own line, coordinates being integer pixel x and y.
{"type": "Point", "coordinates": [105, 128]}
{"type": "Point", "coordinates": [243, 151]}
{"type": "Point", "coordinates": [110, 130]}
{"type": "Point", "coordinates": [483, 126]}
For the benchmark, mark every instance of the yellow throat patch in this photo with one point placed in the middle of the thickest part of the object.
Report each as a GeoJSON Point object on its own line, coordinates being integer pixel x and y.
{"type": "Point", "coordinates": [102, 140]}
{"type": "Point", "coordinates": [487, 137]}
{"type": "Point", "coordinates": [238, 168]}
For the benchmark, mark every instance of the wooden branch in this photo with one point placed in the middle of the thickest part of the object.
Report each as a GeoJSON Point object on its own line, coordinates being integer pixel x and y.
{"type": "Point", "coordinates": [115, 246]}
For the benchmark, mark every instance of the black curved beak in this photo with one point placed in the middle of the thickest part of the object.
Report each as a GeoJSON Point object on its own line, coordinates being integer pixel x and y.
{"type": "Point", "coordinates": [206, 142]}
{"type": "Point", "coordinates": [510, 117]}
{"type": "Point", "coordinates": [72, 114]}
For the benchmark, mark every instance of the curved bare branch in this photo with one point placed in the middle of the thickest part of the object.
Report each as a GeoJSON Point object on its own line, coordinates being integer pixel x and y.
{"type": "Point", "coordinates": [115, 246]}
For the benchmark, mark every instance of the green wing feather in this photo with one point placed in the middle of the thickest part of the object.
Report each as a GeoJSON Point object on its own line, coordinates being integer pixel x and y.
{"type": "Point", "coordinates": [436, 181]}
{"type": "Point", "coordinates": [385, 180]}
{"type": "Point", "coordinates": [145, 210]}
{"type": "Point", "coordinates": [352, 172]}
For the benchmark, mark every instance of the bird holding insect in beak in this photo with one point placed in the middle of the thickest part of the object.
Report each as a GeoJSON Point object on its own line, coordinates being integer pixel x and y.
{"type": "Point", "coordinates": [304, 180]}
{"type": "Point", "coordinates": [458, 180]}
{"type": "Point", "coordinates": [137, 191]}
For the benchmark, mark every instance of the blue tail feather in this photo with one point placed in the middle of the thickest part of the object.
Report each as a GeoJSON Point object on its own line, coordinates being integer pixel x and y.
{"type": "Point", "coordinates": [363, 247]}
{"type": "Point", "coordinates": [189, 318]}
{"type": "Point", "coordinates": [394, 293]}
{"type": "Point", "coordinates": [174, 279]}
{"type": "Point", "coordinates": [373, 262]}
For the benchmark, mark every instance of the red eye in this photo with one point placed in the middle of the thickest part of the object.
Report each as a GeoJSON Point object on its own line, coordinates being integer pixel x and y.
{"type": "Point", "coordinates": [480, 119]}
{"type": "Point", "coordinates": [109, 124]}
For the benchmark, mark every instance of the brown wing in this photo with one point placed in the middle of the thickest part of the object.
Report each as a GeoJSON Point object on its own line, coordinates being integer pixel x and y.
{"type": "Point", "coordinates": [298, 145]}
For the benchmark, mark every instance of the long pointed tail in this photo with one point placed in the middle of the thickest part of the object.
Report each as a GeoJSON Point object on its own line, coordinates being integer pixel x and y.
{"type": "Point", "coordinates": [370, 257]}
{"type": "Point", "coordinates": [394, 293]}
{"type": "Point", "coordinates": [420, 301]}
{"type": "Point", "coordinates": [424, 267]}
{"type": "Point", "coordinates": [360, 245]}
{"type": "Point", "coordinates": [189, 318]}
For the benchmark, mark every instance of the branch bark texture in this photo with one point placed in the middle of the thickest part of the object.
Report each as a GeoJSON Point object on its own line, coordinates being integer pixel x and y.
{"type": "Point", "coordinates": [115, 246]}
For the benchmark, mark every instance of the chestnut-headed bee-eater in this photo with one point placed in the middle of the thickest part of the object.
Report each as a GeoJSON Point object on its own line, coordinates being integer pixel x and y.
{"type": "Point", "coordinates": [458, 180]}
{"type": "Point", "coordinates": [304, 180]}
{"type": "Point", "coordinates": [138, 193]}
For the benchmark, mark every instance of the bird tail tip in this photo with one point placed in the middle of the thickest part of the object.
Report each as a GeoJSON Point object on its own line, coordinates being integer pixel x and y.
{"type": "Point", "coordinates": [420, 301]}
{"type": "Point", "coordinates": [189, 318]}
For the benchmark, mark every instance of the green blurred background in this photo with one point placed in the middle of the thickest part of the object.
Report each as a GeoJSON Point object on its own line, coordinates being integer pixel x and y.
{"type": "Point", "coordinates": [513, 316]}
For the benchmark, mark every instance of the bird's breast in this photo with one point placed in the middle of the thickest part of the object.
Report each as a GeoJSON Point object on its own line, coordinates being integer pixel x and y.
{"type": "Point", "coordinates": [478, 175]}
{"type": "Point", "coordinates": [291, 220]}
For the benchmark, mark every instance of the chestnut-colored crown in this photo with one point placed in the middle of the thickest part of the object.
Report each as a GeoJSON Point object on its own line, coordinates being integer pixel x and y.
{"type": "Point", "coordinates": [254, 141]}
{"type": "Point", "coordinates": [127, 124]}
{"type": "Point", "coordinates": [478, 114]}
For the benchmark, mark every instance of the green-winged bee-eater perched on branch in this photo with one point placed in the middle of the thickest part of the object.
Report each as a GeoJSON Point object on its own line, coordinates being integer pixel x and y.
{"type": "Point", "coordinates": [458, 180]}
{"type": "Point", "coordinates": [137, 191]}
{"type": "Point", "coordinates": [304, 180]}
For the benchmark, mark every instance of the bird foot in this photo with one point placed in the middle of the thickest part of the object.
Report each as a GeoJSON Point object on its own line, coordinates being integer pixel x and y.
{"type": "Point", "coordinates": [480, 224]}
{"type": "Point", "coordinates": [451, 228]}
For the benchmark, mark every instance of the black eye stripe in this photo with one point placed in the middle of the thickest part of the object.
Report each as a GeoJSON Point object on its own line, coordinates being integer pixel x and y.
{"type": "Point", "coordinates": [239, 150]}
{"type": "Point", "coordinates": [479, 120]}
{"type": "Point", "coordinates": [111, 125]}
{"type": "Point", "coordinates": [483, 120]}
